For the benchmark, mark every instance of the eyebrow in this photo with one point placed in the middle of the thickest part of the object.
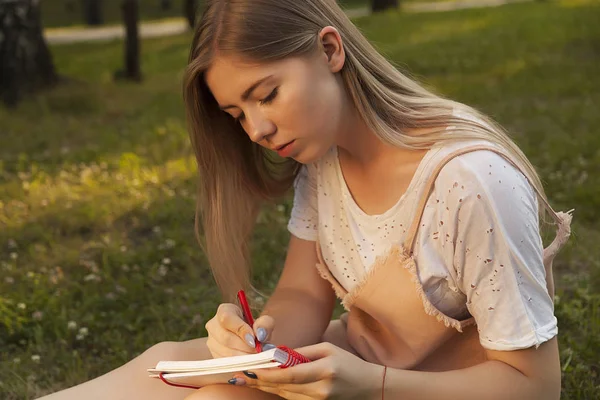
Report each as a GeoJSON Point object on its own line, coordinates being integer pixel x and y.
{"type": "Point", "coordinates": [248, 91]}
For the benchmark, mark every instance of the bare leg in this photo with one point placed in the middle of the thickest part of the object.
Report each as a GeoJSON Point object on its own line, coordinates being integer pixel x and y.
{"type": "Point", "coordinates": [131, 381]}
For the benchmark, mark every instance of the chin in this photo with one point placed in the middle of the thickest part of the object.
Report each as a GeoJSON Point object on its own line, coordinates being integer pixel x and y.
{"type": "Point", "coordinates": [310, 155]}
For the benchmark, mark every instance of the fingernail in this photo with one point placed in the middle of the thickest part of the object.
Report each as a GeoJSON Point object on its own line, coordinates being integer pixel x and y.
{"type": "Point", "coordinates": [251, 375]}
{"type": "Point", "coordinates": [232, 381]}
{"type": "Point", "coordinates": [261, 334]}
{"type": "Point", "coordinates": [250, 340]}
{"type": "Point", "coordinates": [236, 381]}
{"type": "Point", "coordinates": [268, 346]}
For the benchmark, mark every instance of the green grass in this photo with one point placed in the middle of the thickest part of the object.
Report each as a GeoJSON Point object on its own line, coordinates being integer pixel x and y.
{"type": "Point", "coordinates": [97, 188]}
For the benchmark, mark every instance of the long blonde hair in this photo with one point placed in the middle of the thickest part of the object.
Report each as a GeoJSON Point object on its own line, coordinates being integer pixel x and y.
{"type": "Point", "coordinates": [237, 175]}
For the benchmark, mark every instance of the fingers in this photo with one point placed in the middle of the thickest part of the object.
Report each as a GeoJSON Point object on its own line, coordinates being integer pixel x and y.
{"type": "Point", "coordinates": [230, 318]}
{"type": "Point", "coordinates": [219, 350]}
{"type": "Point", "coordinates": [228, 333]}
{"type": "Point", "coordinates": [296, 375]}
{"type": "Point", "coordinates": [263, 327]}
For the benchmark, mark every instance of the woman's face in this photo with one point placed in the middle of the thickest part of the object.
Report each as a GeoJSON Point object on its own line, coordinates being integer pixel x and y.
{"type": "Point", "coordinates": [292, 106]}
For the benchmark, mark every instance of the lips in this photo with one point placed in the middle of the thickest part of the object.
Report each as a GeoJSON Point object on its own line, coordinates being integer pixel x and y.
{"type": "Point", "coordinates": [285, 150]}
{"type": "Point", "coordinates": [277, 148]}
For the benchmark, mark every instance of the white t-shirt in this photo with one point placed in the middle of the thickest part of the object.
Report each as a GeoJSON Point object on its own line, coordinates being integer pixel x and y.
{"type": "Point", "coordinates": [478, 249]}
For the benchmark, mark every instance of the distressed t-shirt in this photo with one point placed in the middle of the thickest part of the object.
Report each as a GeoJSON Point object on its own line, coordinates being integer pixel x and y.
{"type": "Point", "coordinates": [478, 248]}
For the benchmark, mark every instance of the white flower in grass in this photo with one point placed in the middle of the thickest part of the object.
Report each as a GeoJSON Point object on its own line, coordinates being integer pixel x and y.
{"type": "Point", "coordinates": [37, 315]}
{"type": "Point", "coordinates": [162, 270]}
{"type": "Point", "coordinates": [16, 360]}
{"type": "Point", "coordinates": [123, 249]}
{"type": "Point", "coordinates": [280, 208]}
{"type": "Point", "coordinates": [30, 274]}
{"type": "Point", "coordinates": [166, 261]}
{"type": "Point", "coordinates": [92, 277]}
{"type": "Point", "coordinates": [9, 279]}
{"type": "Point", "coordinates": [22, 306]}
{"type": "Point", "coordinates": [35, 358]}
{"type": "Point", "coordinates": [14, 256]}
{"type": "Point", "coordinates": [72, 325]}
{"type": "Point", "coordinates": [12, 244]}
{"type": "Point", "coordinates": [79, 336]}
{"type": "Point", "coordinates": [156, 229]}
{"type": "Point", "coordinates": [83, 331]}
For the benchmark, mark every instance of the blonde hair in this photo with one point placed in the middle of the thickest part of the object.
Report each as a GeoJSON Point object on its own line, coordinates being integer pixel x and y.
{"type": "Point", "coordinates": [237, 175]}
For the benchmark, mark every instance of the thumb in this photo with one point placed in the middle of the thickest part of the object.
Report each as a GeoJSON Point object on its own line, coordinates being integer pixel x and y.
{"type": "Point", "coordinates": [263, 327]}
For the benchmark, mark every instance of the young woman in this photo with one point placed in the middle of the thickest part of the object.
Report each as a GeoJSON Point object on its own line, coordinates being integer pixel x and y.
{"type": "Point", "coordinates": [420, 213]}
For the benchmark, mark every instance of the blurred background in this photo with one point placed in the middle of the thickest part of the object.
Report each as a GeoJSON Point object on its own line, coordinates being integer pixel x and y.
{"type": "Point", "coordinates": [98, 259]}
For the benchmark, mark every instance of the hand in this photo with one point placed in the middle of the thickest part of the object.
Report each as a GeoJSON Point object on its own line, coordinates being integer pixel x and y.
{"type": "Point", "coordinates": [229, 335]}
{"type": "Point", "coordinates": [333, 373]}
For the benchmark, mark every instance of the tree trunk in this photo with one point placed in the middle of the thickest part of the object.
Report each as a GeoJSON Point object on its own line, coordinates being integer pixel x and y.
{"type": "Point", "coordinates": [132, 70]}
{"type": "Point", "coordinates": [92, 12]}
{"type": "Point", "coordinates": [189, 11]}
{"type": "Point", "coordinates": [25, 61]}
{"type": "Point", "coordinates": [165, 5]}
{"type": "Point", "coordinates": [381, 5]}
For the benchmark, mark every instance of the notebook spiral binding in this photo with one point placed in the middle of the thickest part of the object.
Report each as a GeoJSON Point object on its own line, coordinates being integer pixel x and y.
{"type": "Point", "coordinates": [294, 357]}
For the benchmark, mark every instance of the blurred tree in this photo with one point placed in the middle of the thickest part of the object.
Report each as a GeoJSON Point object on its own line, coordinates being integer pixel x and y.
{"type": "Point", "coordinates": [189, 11]}
{"type": "Point", "coordinates": [132, 71]}
{"type": "Point", "coordinates": [25, 61]}
{"type": "Point", "coordinates": [70, 6]}
{"type": "Point", "coordinates": [166, 5]}
{"type": "Point", "coordinates": [380, 5]}
{"type": "Point", "coordinates": [92, 12]}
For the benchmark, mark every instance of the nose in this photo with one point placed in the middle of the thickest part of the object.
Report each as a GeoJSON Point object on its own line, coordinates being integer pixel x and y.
{"type": "Point", "coordinates": [259, 128]}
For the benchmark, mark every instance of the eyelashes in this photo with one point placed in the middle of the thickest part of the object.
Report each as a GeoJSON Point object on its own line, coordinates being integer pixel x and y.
{"type": "Point", "coordinates": [267, 100]}
{"type": "Point", "coordinates": [270, 97]}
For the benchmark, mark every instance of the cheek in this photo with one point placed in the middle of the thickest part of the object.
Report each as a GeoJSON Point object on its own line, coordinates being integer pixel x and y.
{"type": "Point", "coordinates": [312, 111]}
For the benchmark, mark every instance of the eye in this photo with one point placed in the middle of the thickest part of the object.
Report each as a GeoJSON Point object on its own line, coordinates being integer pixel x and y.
{"type": "Point", "coordinates": [270, 97]}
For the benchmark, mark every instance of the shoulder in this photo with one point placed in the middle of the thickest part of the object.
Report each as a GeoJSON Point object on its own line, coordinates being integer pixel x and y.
{"type": "Point", "coordinates": [484, 172]}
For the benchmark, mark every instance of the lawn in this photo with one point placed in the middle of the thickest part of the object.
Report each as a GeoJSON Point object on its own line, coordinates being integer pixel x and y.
{"type": "Point", "coordinates": [98, 258]}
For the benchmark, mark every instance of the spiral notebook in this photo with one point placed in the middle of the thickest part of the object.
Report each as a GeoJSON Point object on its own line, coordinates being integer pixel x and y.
{"type": "Point", "coordinates": [195, 374]}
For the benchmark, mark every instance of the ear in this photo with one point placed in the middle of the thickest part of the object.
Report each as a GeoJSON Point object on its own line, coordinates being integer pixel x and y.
{"type": "Point", "coordinates": [333, 48]}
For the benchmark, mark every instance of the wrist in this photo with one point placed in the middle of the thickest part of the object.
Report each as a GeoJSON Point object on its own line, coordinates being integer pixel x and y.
{"type": "Point", "coordinates": [376, 382]}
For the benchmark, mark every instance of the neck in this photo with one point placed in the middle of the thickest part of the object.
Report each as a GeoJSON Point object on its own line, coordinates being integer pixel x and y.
{"type": "Point", "coordinates": [362, 147]}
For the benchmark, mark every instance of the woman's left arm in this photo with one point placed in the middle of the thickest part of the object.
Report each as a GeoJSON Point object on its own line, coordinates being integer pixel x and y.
{"type": "Point", "coordinates": [336, 374]}
{"type": "Point", "coordinates": [519, 374]}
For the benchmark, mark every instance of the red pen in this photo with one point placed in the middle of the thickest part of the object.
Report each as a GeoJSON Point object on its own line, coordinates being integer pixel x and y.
{"type": "Point", "coordinates": [248, 317]}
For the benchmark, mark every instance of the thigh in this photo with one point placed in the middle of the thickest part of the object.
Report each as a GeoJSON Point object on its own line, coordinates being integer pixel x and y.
{"type": "Point", "coordinates": [131, 380]}
{"type": "Point", "coordinates": [230, 392]}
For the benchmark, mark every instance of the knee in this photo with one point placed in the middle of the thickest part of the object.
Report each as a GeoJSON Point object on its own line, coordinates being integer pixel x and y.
{"type": "Point", "coordinates": [162, 351]}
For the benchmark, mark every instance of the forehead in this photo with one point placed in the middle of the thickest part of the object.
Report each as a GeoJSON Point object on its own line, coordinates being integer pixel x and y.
{"type": "Point", "coordinates": [228, 72]}
{"type": "Point", "coordinates": [228, 77]}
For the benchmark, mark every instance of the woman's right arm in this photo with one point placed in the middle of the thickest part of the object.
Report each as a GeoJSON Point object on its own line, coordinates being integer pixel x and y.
{"type": "Point", "coordinates": [300, 308]}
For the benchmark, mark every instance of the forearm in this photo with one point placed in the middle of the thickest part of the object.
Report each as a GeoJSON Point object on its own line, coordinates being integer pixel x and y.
{"type": "Point", "coordinates": [300, 320]}
{"type": "Point", "coordinates": [490, 380]}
